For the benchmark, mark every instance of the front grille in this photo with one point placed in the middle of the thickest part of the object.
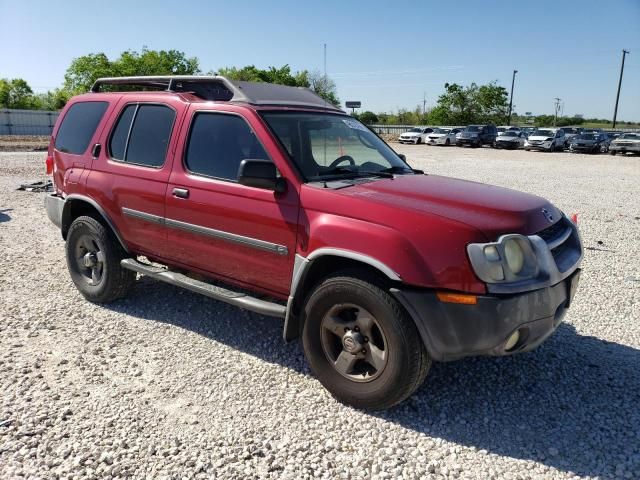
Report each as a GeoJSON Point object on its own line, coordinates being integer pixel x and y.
{"type": "Point", "coordinates": [565, 247]}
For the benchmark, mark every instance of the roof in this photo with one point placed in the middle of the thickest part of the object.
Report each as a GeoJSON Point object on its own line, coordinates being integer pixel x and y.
{"type": "Point", "coordinates": [218, 88]}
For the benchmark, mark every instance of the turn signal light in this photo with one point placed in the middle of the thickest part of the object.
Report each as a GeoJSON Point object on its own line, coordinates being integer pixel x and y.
{"type": "Point", "coordinates": [463, 298]}
{"type": "Point", "coordinates": [49, 163]}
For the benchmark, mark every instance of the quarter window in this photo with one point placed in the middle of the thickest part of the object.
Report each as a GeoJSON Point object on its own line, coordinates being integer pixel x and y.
{"type": "Point", "coordinates": [78, 126]}
{"type": "Point", "coordinates": [218, 143]}
{"type": "Point", "coordinates": [142, 135]}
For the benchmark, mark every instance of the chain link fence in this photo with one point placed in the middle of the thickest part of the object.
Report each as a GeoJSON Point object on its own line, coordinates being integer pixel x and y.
{"type": "Point", "coordinates": [27, 122]}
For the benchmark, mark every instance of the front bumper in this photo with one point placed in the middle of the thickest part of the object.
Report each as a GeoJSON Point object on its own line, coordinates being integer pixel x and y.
{"type": "Point", "coordinates": [475, 141]}
{"type": "Point", "coordinates": [583, 148]}
{"type": "Point", "coordinates": [451, 331]}
{"type": "Point", "coordinates": [507, 144]}
{"type": "Point", "coordinates": [537, 146]}
{"type": "Point", "coordinates": [624, 148]}
{"type": "Point", "coordinates": [408, 139]}
{"type": "Point", "coordinates": [54, 205]}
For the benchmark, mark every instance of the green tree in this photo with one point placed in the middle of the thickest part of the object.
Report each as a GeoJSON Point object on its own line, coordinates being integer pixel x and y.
{"type": "Point", "coordinates": [460, 105]}
{"type": "Point", "coordinates": [84, 70]}
{"type": "Point", "coordinates": [368, 117]}
{"type": "Point", "coordinates": [16, 93]}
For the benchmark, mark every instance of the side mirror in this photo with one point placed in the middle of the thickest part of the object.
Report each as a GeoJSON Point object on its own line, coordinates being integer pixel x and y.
{"type": "Point", "coordinates": [260, 174]}
{"type": "Point", "coordinates": [403, 157]}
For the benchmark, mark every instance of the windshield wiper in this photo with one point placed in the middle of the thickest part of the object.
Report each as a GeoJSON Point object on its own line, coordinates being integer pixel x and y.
{"type": "Point", "coordinates": [346, 171]}
{"type": "Point", "coordinates": [397, 169]}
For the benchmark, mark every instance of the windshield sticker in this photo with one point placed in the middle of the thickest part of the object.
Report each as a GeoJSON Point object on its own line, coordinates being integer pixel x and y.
{"type": "Point", "coordinates": [354, 124]}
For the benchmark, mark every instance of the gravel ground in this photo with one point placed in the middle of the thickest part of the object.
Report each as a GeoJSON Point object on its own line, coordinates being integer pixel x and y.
{"type": "Point", "coordinates": [167, 384]}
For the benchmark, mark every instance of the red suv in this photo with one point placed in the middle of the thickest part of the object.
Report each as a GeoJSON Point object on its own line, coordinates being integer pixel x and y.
{"type": "Point", "coordinates": [268, 198]}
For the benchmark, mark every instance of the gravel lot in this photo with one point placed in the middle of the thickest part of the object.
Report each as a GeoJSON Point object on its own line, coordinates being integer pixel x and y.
{"type": "Point", "coordinates": [168, 384]}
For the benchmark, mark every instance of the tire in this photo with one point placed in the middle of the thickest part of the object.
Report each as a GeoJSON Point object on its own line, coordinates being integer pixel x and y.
{"type": "Point", "coordinates": [612, 152]}
{"type": "Point", "coordinates": [334, 311]}
{"type": "Point", "coordinates": [447, 142]}
{"type": "Point", "coordinates": [418, 141]}
{"type": "Point", "coordinates": [93, 259]}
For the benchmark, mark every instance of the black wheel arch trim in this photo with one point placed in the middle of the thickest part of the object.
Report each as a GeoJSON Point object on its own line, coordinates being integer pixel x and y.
{"type": "Point", "coordinates": [66, 212]}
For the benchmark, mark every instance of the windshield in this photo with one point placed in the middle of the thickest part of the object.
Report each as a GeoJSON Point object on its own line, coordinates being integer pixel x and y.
{"type": "Point", "coordinates": [416, 129]}
{"type": "Point", "coordinates": [511, 133]}
{"type": "Point", "coordinates": [440, 130]}
{"type": "Point", "coordinates": [501, 129]}
{"type": "Point", "coordinates": [587, 136]}
{"type": "Point", "coordinates": [326, 145]}
{"type": "Point", "coordinates": [543, 133]}
{"type": "Point", "coordinates": [473, 128]}
{"type": "Point", "coordinates": [630, 136]}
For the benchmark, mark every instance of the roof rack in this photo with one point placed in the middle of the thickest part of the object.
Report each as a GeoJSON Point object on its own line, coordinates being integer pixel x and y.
{"type": "Point", "coordinates": [217, 88]}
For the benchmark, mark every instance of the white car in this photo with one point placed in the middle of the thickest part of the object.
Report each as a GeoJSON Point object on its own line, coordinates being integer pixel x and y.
{"type": "Point", "coordinates": [416, 135]}
{"type": "Point", "coordinates": [503, 130]}
{"type": "Point", "coordinates": [443, 136]}
{"type": "Point", "coordinates": [511, 139]}
{"type": "Point", "coordinates": [627, 142]}
{"type": "Point", "coordinates": [547, 139]}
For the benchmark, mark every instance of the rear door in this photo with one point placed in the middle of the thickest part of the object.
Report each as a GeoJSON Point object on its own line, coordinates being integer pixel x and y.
{"type": "Point", "coordinates": [241, 234]}
{"type": "Point", "coordinates": [129, 177]}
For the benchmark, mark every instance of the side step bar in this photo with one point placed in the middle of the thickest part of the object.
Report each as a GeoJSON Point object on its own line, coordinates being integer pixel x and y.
{"type": "Point", "coordinates": [238, 299]}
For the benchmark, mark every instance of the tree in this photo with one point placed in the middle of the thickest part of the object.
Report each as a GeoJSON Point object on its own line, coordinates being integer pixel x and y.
{"type": "Point", "coordinates": [368, 117]}
{"type": "Point", "coordinates": [461, 105]}
{"type": "Point", "coordinates": [16, 93]}
{"type": "Point", "coordinates": [84, 70]}
{"type": "Point", "coordinates": [323, 86]}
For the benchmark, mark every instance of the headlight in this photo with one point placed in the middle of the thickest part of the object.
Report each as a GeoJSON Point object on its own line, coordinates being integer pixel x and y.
{"type": "Point", "coordinates": [514, 255]}
{"type": "Point", "coordinates": [510, 259]}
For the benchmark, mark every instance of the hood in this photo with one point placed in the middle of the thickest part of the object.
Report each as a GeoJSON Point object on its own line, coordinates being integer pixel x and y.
{"type": "Point", "coordinates": [410, 134]}
{"type": "Point", "coordinates": [626, 141]}
{"type": "Point", "coordinates": [584, 141]}
{"type": "Point", "coordinates": [437, 135]}
{"type": "Point", "coordinates": [465, 134]}
{"type": "Point", "coordinates": [539, 138]}
{"type": "Point", "coordinates": [489, 209]}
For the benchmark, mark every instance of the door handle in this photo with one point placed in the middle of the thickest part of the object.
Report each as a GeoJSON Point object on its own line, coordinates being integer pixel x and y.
{"type": "Point", "coordinates": [181, 193]}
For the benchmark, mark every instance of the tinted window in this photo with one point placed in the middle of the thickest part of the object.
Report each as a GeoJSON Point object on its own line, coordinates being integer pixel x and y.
{"type": "Point", "coordinates": [149, 135]}
{"type": "Point", "coordinates": [119, 137]}
{"type": "Point", "coordinates": [78, 126]}
{"type": "Point", "coordinates": [218, 143]}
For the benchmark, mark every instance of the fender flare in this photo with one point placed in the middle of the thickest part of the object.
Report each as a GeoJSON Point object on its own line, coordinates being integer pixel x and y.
{"type": "Point", "coordinates": [81, 198]}
{"type": "Point", "coordinates": [301, 267]}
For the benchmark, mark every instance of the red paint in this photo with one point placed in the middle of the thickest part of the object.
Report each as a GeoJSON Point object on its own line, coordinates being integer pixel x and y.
{"type": "Point", "coordinates": [419, 226]}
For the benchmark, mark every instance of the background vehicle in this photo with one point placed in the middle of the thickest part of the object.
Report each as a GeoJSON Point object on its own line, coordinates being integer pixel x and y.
{"type": "Point", "coordinates": [415, 135]}
{"type": "Point", "coordinates": [477, 135]}
{"type": "Point", "coordinates": [548, 139]}
{"type": "Point", "coordinates": [443, 136]}
{"type": "Point", "coordinates": [626, 142]}
{"type": "Point", "coordinates": [511, 139]}
{"type": "Point", "coordinates": [594, 142]}
{"type": "Point", "coordinates": [503, 130]}
{"type": "Point", "coordinates": [222, 181]}
{"type": "Point", "coordinates": [569, 133]}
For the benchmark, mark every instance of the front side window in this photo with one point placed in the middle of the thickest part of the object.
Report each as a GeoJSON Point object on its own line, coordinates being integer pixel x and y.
{"type": "Point", "coordinates": [141, 135]}
{"type": "Point", "coordinates": [324, 145]}
{"type": "Point", "coordinates": [78, 126]}
{"type": "Point", "coordinates": [218, 143]}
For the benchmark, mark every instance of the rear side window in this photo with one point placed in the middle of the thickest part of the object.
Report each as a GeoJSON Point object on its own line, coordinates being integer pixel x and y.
{"type": "Point", "coordinates": [218, 143]}
{"type": "Point", "coordinates": [78, 126]}
{"type": "Point", "coordinates": [141, 135]}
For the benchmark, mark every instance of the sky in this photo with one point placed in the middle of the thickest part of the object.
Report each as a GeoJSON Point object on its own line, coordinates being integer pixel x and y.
{"type": "Point", "coordinates": [386, 54]}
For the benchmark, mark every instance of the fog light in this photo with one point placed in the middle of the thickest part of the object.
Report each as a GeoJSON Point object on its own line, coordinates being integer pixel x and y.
{"type": "Point", "coordinates": [512, 341]}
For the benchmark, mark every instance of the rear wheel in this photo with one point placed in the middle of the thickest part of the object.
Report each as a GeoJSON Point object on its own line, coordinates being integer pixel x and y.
{"type": "Point", "coordinates": [361, 344]}
{"type": "Point", "coordinates": [93, 259]}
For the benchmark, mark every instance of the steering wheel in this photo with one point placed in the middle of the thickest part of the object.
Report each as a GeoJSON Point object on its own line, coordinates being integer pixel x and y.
{"type": "Point", "coordinates": [343, 158]}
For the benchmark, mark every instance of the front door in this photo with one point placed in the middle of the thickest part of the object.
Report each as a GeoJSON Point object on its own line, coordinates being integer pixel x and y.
{"type": "Point", "coordinates": [241, 234]}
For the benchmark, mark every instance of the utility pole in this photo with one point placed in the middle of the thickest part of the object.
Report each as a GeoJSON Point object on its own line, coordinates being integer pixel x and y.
{"type": "Point", "coordinates": [513, 81]}
{"type": "Point", "coordinates": [424, 103]}
{"type": "Point", "coordinates": [557, 108]}
{"type": "Point", "coordinates": [325, 60]}
{"type": "Point", "coordinates": [615, 111]}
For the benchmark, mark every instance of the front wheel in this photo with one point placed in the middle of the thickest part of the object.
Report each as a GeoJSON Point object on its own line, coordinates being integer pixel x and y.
{"type": "Point", "coordinates": [361, 344]}
{"type": "Point", "coordinates": [612, 152]}
{"type": "Point", "coordinates": [93, 259]}
{"type": "Point", "coordinates": [447, 142]}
